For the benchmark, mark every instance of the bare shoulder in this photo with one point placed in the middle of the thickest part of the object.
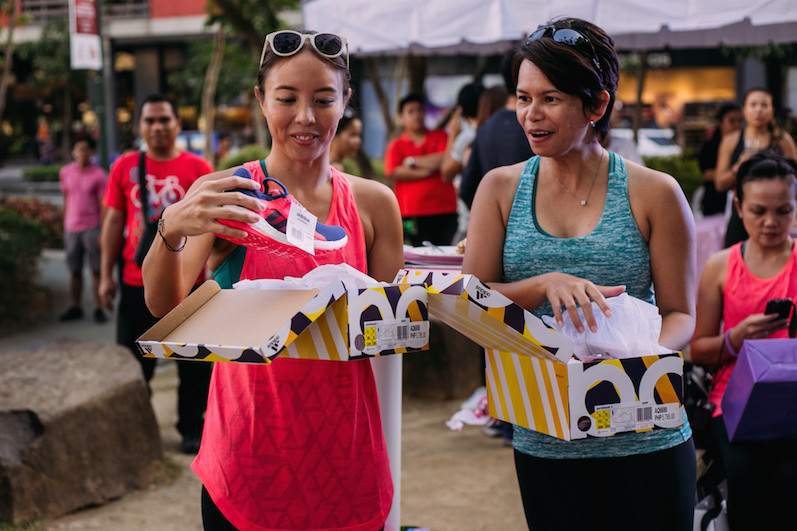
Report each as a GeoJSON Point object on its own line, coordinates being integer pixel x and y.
{"type": "Point", "coordinates": [368, 190]}
{"type": "Point", "coordinates": [501, 183]}
{"type": "Point", "coordinates": [649, 182]}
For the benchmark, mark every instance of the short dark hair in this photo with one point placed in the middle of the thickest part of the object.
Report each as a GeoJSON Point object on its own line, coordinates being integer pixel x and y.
{"type": "Point", "coordinates": [349, 115]}
{"type": "Point", "coordinates": [725, 108]}
{"type": "Point", "coordinates": [766, 164]}
{"type": "Point", "coordinates": [90, 143]}
{"type": "Point", "coordinates": [468, 98]}
{"type": "Point", "coordinates": [159, 98]}
{"type": "Point", "coordinates": [409, 98]}
{"type": "Point", "coordinates": [571, 69]}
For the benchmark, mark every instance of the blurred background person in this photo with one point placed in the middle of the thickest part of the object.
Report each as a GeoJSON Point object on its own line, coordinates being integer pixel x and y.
{"type": "Point", "coordinates": [348, 138]}
{"type": "Point", "coordinates": [461, 133]}
{"type": "Point", "coordinates": [729, 120]}
{"type": "Point", "coordinates": [500, 140]}
{"type": "Point", "coordinates": [413, 161]}
{"type": "Point", "coordinates": [760, 132]}
{"type": "Point", "coordinates": [83, 185]}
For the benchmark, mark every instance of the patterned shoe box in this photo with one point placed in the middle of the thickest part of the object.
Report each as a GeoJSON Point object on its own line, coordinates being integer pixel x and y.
{"type": "Point", "coordinates": [256, 326]}
{"type": "Point", "coordinates": [532, 380]}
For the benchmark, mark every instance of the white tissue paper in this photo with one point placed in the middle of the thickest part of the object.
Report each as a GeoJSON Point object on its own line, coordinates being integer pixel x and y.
{"type": "Point", "coordinates": [318, 278]}
{"type": "Point", "coordinates": [473, 412]}
{"type": "Point", "coordinates": [632, 330]}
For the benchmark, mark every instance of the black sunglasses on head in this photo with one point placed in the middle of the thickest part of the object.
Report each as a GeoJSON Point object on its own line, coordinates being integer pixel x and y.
{"type": "Point", "coordinates": [288, 42]}
{"type": "Point", "coordinates": [567, 36]}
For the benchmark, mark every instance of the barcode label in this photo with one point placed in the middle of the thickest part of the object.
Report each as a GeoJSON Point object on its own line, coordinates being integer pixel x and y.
{"type": "Point", "coordinates": [402, 332]}
{"type": "Point", "coordinates": [644, 414]}
{"type": "Point", "coordinates": [390, 334]}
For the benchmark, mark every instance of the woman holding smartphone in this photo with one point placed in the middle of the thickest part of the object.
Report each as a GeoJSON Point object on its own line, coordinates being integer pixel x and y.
{"type": "Point", "coordinates": [736, 285]}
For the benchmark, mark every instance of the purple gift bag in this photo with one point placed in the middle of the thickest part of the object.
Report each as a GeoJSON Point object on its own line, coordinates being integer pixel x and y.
{"type": "Point", "coordinates": [760, 402]}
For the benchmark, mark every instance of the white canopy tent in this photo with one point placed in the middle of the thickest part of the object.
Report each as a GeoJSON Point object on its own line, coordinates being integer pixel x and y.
{"type": "Point", "coordinates": [425, 27]}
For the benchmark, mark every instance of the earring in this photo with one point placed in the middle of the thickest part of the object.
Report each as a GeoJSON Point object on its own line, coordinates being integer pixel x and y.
{"type": "Point", "coordinates": [592, 123]}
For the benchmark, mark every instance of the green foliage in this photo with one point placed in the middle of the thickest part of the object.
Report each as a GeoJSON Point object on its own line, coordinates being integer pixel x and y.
{"type": "Point", "coordinates": [685, 170]}
{"type": "Point", "coordinates": [40, 174]}
{"type": "Point", "coordinates": [22, 241]}
{"type": "Point", "coordinates": [49, 217]}
{"type": "Point", "coordinates": [237, 73]}
{"type": "Point", "coordinates": [245, 154]}
{"type": "Point", "coordinates": [50, 56]}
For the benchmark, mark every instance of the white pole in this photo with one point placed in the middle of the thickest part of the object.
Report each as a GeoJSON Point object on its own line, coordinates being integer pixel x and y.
{"type": "Point", "coordinates": [387, 374]}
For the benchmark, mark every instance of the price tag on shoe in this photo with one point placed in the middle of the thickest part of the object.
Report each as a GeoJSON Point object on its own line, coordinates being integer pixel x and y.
{"type": "Point", "coordinates": [301, 228]}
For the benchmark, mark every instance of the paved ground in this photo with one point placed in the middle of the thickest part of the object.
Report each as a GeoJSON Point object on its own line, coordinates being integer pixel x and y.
{"type": "Point", "coordinates": [450, 481]}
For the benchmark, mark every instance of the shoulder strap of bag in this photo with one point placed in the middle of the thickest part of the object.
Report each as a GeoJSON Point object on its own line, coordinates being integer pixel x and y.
{"type": "Point", "coordinates": [142, 185]}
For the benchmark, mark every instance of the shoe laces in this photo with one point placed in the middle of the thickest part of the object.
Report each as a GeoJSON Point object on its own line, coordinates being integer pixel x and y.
{"type": "Point", "coordinates": [272, 193]}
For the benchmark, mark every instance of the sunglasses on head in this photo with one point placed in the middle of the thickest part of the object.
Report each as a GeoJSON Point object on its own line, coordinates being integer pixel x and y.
{"type": "Point", "coordinates": [567, 36]}
{"type": "Point", "coordinates": [288, 42]}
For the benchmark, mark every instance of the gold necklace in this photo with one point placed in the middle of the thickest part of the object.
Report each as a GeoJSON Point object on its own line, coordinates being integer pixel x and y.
{"type": "Point", "coordinates": [583, 202]}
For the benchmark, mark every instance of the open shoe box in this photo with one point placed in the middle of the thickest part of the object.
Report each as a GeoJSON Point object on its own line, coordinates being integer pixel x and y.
{"type": "Point", "coordinates": [532, 380]}
{"type": "Point", "coordinates": [256, 326]}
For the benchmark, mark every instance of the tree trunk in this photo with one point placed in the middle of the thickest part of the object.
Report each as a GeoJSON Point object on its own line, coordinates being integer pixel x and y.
{"type": "Point", "coordinates": [9, 57]}
{"type": "Point", "coordinates": [384, 104]}
{"type": "Point", "coordinates": [209, 93]}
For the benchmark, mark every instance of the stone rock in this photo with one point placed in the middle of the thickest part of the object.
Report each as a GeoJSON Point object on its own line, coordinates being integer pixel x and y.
{"type": "Point", "coordinates": [76, 429]}
{"type": "Point", "coordinates": [452, 368]}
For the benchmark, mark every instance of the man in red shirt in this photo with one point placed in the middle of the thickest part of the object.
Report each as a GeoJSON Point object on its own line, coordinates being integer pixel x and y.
{"type": "Point", "coordinates": [413, 161]}
{"type": "Point", "coordinates": [169, 174]}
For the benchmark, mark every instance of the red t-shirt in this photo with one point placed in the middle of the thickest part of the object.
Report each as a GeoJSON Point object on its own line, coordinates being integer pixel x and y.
{"type": "Point", "coordinates": [424, 197]}
{"type": "Point", "coordinates": [298, 444]}
{"type": "Point", "coordinates": [167, 183]}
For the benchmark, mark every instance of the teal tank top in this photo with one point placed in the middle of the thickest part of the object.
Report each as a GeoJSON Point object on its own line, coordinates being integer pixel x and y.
{"type": "Point", "coordinates": [614, 253]}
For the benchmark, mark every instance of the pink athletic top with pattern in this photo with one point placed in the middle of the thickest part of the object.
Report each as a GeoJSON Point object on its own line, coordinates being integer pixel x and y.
{"type": "Point", "coordinates": [298, 444]}
{"type": "Point", "coordinates": [745, 294]}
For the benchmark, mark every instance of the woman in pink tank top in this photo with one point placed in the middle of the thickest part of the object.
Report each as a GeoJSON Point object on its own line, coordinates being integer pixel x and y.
{"type": "Point", "coordinates": [296, 444]}
{"type": "Point", "coordinates": [734, 289]}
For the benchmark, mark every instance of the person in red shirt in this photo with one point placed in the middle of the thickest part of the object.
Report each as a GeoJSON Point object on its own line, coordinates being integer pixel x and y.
{"type": "Point", "coordinates": [169, 173]}
{"type": "Point", "coordinates": [413, 161]}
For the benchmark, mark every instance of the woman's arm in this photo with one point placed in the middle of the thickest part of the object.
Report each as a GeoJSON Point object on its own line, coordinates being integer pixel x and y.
{"type": "Point", "coordinates": [170, 275]}
{"type": "Point", "coordinates": [725, 176]}
{"type": "Point", "coordinates": [665, 221]}
{"type": "Point", "coordinates": [787, 146]}
{"type": "Point", "coordinates": [379, 213]}
{"type": "Point", "coordinates": [706, 343]}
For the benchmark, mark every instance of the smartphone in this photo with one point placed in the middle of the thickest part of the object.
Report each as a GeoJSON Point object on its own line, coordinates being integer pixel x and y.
{"type": "Point", "coordinates": [782, 307]}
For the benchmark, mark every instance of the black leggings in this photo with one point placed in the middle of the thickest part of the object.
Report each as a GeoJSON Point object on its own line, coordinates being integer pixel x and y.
{"type": "Point", "coordinates": [761, 477]}
{"type": "Point", "coordinates": [654, 491]}
{"type": "Point", "coordinates": [212, 519]}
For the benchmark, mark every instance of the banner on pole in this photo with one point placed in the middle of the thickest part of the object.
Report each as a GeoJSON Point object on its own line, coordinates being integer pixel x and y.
{"type": "Point", "coordinates": [84, 36]}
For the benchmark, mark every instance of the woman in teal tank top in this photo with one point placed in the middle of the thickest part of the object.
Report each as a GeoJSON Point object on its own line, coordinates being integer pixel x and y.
{"type": "Point", "coordinates": [575, 225]}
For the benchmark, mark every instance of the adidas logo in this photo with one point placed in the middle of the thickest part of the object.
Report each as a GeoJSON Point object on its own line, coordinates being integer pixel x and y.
{"type": "Point", "coordinates": [481, 293]}
{"type": "Point", "coordinates": [274, 344]}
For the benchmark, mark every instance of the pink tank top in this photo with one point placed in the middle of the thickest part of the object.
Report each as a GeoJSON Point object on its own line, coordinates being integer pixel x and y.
{"type": "Point", "coordinates": [745, 294]}
{"type": "Point", "coordinates": [298, 444]}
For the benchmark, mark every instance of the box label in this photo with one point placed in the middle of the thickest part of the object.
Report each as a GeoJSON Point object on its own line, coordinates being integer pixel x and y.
{"type": "Point", "coordinates": [616, 418]}
{"type": "Point", "coordinates": [391, 334]}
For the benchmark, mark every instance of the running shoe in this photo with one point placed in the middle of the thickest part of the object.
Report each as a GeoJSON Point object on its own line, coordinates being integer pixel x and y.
{"type": "Point", "coordinates": [269, 233]}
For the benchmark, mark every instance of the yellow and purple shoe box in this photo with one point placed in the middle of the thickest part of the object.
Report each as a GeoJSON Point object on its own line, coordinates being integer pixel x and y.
{"type": "Point", "coordinates": [256, 326]}
{"type": "Point", "coordinates": [532, 379]}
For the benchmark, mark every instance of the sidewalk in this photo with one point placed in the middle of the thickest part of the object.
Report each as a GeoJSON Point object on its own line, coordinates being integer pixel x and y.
{"type": "Point", "coordinates": [451, 481]}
